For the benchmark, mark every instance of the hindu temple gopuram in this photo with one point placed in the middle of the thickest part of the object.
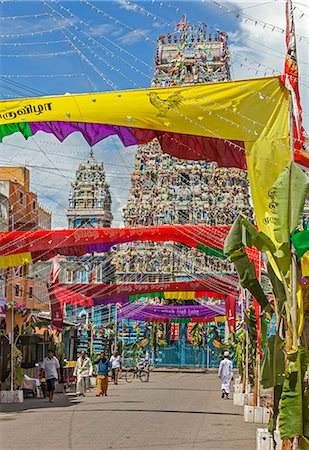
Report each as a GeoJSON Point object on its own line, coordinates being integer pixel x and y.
{"type": "Point", "coordinates": [166, 190]}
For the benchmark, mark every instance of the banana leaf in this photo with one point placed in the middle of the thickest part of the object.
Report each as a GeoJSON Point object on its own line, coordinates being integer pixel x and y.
{"type": "Point", "coordinates": [263, 331]}
{"type": "Point", "coordinates": [259, 239]}
{"type": "Point", "coordinates": [278, 288]}
{"type": "Point", "coordinates": [233, 240]}
{"type": "Point", "coordinates": [234, 247]}
{"type": "Point", "coordinates": [292, 415]}
{"type": "Point", "coordinates": [294, 183]}
{"type": "Point", "coordinates": [304, 356]}
{"type": "Point", "coordinates": [247, 274]}
{"type": "Point", "coordinates": [272, 425]}
{"type": "Point", "coordinates": [273, 365]}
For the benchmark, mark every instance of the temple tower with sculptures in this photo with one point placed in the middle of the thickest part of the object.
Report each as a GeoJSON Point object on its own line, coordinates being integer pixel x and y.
{"type": "Point", "coordinates": [166, 190]}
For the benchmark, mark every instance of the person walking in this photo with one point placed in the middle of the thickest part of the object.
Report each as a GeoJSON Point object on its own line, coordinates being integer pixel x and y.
{"type": "Point", "coordinates": [104, 367]}
{"type": "Point", "coordinates": [82, 372]}
{"type": "Point", "coordinates": [50, 370]}
{"type": "Point", "coordinates": [226, 374]}
{"type": "Point", "coordinates": [116, 366]}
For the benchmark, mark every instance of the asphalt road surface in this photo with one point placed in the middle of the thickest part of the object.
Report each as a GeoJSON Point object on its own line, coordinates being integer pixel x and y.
{"type": "Point", "coordinates": [171, 411]}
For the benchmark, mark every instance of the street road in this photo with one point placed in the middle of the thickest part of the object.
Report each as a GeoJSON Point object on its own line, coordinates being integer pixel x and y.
{"type": "Point", "coordinates": [172, 411]}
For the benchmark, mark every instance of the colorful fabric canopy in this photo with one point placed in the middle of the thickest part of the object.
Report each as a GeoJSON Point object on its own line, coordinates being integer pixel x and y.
{"type": "Point", "coordinates": [235, 110]}
{"type": "Point", "coordinates": [16, 246]}
{"type": "Point", "coordinates": [178, 295]}
{"type": "Point", "coordinates": [90, 294]}
{"type": "Point", "coordinates": [237, 124]}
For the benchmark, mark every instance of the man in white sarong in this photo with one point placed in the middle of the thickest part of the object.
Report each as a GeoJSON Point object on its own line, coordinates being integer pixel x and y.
{"type": "Point", "coordinates": [226, 374]}
{"type": "Point", "coordinates": [82, 372]}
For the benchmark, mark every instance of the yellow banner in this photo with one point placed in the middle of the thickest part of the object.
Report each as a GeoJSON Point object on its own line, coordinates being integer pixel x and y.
{"type": "Point", "coordinates": [15, 260]}
{"type": "Point", "coordinates": [179, 295]}
{"type": "Point", "coordinates": [234, 110]}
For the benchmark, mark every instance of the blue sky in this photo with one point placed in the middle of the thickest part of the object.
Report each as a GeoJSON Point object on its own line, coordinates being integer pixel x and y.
{"type": "Point", "coordinates": [82, 46]}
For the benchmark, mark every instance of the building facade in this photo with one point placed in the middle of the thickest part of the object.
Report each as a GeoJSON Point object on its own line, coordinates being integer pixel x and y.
{"type": "Point", "coordinates": [24, 285]}
{"type": "Point", "coordinates": [22, 213]}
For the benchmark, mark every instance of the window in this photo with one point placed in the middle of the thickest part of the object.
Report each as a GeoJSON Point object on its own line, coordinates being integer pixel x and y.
{"type": "Point", "coordinates": [184, 217]}
{"type": "Point", "coordinates": [70, 276]}
{"type": "Point", "coordinates": [21, 197]}
{"type": "Point", "coordinates": [185, 178]}
{"type": "Point", "coordinates": [34, 205]}
{"type": "Point", "coordinates": [30, 292]}
{"type": "Point", "coordinates": [17, 290]}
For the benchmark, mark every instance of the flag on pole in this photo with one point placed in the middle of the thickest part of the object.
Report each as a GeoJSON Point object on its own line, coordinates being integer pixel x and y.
{"type": "Point", "coordinates": [290, 77]}
{"type": "Point", "coordinates": [182, 25]}
{"type": "Point", "coordinates": [55, 269]}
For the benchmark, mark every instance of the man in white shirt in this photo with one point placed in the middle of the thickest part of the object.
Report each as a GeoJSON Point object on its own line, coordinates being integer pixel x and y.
{"type": "Point", "coordinates": [82, 372]}
{"type": "Point", "coordinates": [116, 366]}
{"type": "Point", "coordinates": [50, 371]}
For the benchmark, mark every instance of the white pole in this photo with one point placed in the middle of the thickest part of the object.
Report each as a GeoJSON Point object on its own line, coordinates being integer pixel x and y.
{"type": "Point", "coordinates": [12, 316]}
{"type": "Point", "coordinates": [116, 329]}
{"type": "Point", "coordinates": [91, 335]}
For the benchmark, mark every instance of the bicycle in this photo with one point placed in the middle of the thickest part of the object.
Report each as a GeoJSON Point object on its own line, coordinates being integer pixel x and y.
{"type": "Point", "coordinates": [137, 372]}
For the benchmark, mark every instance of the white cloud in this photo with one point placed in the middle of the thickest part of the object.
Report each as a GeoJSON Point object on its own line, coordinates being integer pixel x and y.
{"type": "Point", "coordinates": [131, 37]}
{"type": "Point", "coordinates": [265, 46]}
{"type": "Point", "coordinates": [127, 5]}
{"type": "Point", "coordinates": [102, 28]}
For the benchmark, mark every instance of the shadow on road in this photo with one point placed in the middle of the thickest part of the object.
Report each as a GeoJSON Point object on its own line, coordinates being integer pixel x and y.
{"type": "Point", "coordinates": [171, 389]}
{"type": "Point", "coordinates": [60, 401]}
{"type": "Point", "coordinates": [160, 411]}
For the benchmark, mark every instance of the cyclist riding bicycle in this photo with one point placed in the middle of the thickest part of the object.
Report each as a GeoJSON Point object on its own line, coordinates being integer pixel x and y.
{"type": "Point", "coordinates": [144, 362]}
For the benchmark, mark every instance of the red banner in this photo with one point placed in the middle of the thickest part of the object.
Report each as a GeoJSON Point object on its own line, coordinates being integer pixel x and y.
{"type": "Point", "coordinates": [45, 244]}
{"type": "Point", "coordinates": [57, 309]}
{"type": "Point", "coordinates": [189, 327]}
{"type": "Point", "coordinates": [174, 333]}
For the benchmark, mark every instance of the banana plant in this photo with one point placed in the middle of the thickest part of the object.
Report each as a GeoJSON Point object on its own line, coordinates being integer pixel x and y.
{"type": "Point", "coordinates": [291, 392]}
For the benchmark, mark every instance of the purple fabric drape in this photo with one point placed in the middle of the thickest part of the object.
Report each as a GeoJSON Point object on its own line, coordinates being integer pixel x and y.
{"type": "Point", "coordinates": [142, 312]}
{"type": "Point", "coordinates": [100, 248]}
{"type": "Point", "coordinates": [92, 132]}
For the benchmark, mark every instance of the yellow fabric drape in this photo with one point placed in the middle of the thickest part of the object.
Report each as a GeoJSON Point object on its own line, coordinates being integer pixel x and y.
{"type": "Point", "coordinates": [179, 295]}
{"type": "Point", "coordinates": [15, 260]}
{"type": "Point", "coordinates": [220, 319]}
{"type": "Point", "coordinates": [235, 110]}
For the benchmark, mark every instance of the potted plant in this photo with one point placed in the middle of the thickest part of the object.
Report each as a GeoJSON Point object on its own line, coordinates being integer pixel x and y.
{"type": "Point", "coordinates": [15, 395]}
